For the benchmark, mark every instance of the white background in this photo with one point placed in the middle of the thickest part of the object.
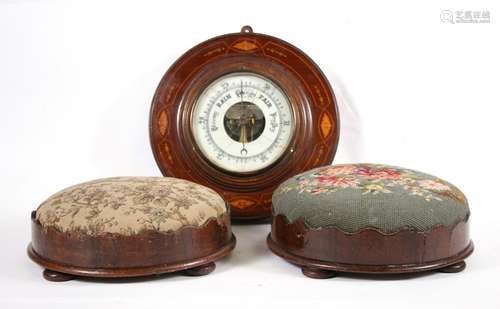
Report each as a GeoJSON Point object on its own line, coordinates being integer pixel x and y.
{"type": "Point", "coordinates": [77, 79]}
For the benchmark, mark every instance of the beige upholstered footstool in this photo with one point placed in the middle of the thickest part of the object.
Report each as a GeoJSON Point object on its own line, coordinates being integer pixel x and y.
{"type": "Point", "coordinates": [130, 226]}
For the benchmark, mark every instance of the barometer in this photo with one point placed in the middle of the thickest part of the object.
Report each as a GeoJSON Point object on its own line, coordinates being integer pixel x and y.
{"type": "Point", "coordinates": [241, 113]}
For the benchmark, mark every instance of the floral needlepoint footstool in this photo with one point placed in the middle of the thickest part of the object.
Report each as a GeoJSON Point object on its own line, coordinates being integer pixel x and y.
{"type": "Point", "coordinates": [130, 226]}
{"type": "Point", "coordinates": [370, 218]}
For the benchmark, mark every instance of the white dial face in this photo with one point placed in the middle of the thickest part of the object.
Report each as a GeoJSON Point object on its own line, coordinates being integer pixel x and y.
{"type": "Point", "coordinates": [242, 122]}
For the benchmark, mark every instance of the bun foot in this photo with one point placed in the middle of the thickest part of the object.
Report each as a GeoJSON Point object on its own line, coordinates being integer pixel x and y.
{"type": "Point", "coordinates": [55, 276]}
{"type": "Point", "coordinates": [317, 273]}
{"type": "Point", "coordinates": [454, 268]}
{"type": "Point", "coordinates": [200, 270]}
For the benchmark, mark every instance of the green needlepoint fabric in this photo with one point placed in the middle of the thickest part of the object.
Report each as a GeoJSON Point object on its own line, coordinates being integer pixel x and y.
{"type": "Point", "coordinates": [352, 197]}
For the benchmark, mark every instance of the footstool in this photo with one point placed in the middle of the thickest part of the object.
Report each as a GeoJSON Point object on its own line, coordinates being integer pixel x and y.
{"type": "Point", "coordinates": [130, 226]}
{"type": "Point", "coordinates": [369, 218]}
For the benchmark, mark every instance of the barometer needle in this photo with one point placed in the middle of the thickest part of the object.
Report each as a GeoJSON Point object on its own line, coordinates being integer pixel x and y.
{"type": "Point", "coordinates": [242, 122]}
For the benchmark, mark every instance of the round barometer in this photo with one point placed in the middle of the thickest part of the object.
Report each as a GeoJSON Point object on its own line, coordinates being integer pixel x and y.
{"type": "Point", "coordinates": [242, 122]}
{"type": "Point", "coordinates": [241, 113]}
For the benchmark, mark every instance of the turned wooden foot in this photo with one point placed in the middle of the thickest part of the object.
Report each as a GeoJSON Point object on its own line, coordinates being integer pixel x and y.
{"type": "Point", "coordinates": [317, 273]}
{"type": "Point", "coordinates": [200, 270]}
{"type": "Point", "coordinates": [454, 268]}
{"type": "Point", "coordinates": [55, 276]}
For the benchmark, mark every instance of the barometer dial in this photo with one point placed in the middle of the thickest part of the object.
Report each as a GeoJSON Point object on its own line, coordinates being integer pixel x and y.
{"type": "Point", "coordinates": [242, 122]}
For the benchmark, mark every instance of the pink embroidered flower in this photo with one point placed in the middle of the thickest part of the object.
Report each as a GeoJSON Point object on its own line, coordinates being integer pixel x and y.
{"type": "Point", "coordinates": [378, 173]}
{"type": "Point", "coordinates": [319, 190]}
{"type": "Point", "coordinates": [433, 185]}
{"type": "Point", "coordinates": [337, 181]}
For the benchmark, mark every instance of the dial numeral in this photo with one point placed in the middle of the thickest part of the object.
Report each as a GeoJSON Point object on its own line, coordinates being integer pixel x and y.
{"type": "Point", "coordinates": [274, 123]}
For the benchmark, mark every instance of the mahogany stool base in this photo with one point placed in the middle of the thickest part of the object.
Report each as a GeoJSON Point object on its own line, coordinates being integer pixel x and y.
{"type": "Point", "coordinates": [199, 267]}
{"type": "Point", "coordinates": [325, 269]}
{"type": "Point", "coordinates": [202, 270]}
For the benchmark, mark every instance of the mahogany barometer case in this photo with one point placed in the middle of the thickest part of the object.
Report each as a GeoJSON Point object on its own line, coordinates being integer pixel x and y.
{"type": "Point", "coordinates": [241, 113]}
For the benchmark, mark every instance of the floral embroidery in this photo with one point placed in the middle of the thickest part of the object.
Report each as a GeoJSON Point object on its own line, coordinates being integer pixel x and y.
{"type": "Point", "coordinates": [433, 185]}
{"type": "Point", "coordinates": [372, 179]}
{"type": "Point", "coordinates": [129, 205]}
{"type": "Point", "coordinates": [375, 189]}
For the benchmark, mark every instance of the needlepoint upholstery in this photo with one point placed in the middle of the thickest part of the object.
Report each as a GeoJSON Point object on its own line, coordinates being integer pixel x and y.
{"type": "Point", "coordinates": [352, 197]}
